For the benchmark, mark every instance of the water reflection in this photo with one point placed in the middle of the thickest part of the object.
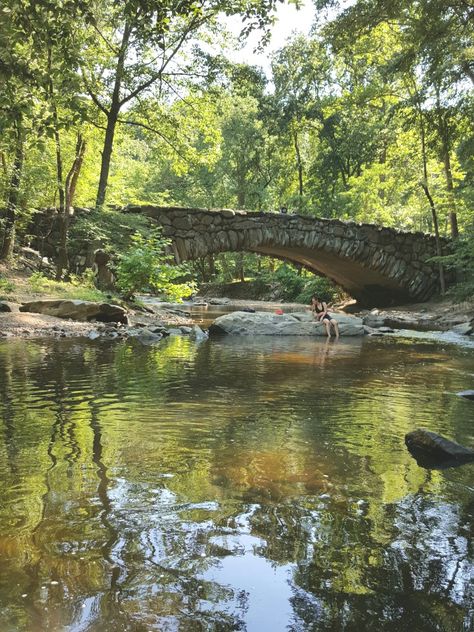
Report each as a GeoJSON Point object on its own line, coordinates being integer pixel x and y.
{"type": "Point", "coordinates": [257, 484]}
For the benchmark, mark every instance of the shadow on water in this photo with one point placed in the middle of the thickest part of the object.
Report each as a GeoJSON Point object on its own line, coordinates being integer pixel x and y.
{"type": "Point", "coordinates": [242, 483]}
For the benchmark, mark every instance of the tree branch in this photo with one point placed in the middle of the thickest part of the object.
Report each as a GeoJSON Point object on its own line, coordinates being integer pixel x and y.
{"type": "Point", "coordinates": [155, 131]}
{"type": "Point", "coordinates": [92, 95]}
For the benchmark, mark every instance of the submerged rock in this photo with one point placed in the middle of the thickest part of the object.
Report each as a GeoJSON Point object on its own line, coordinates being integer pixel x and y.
{"type": "Point", "coordinates": [433, 451]}
{"type": "Point", "coordinates": [269, 324]}
{"type": "Point", "coordinates": [78, 310]}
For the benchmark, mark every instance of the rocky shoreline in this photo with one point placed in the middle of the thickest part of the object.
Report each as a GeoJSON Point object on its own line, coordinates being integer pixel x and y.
{"type": "Point", "coordinates": [65, 318]}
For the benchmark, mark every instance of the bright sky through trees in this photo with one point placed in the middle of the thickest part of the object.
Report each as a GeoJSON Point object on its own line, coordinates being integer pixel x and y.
{"type": "Point", "coordinates": [289, 20]}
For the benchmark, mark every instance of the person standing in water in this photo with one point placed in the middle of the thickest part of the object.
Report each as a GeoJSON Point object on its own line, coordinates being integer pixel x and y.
{"type": "Point", "coordinates": [320, 311]}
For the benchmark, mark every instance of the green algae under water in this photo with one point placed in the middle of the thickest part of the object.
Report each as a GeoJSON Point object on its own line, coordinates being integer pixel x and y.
{"type": "Point", "coordinates": [237, 484]}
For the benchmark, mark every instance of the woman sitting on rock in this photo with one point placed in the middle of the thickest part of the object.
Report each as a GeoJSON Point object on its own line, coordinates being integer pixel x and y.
{"type": "Point", "coordinates": [320, 311]}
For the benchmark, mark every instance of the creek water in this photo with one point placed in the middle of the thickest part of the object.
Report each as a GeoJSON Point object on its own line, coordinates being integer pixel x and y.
{"type": "Point", "coordinates": [233, 484]}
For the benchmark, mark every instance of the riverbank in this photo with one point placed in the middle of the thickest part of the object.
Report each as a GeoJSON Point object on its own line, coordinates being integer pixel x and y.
{"type": "Point", "coordinates": [165, 318]}
{"type": "Point", "coordinates": [151, 316]}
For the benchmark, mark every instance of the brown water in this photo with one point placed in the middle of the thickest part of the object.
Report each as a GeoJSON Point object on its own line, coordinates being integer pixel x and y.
{"type": "Point", "coordinates": [237, 484]}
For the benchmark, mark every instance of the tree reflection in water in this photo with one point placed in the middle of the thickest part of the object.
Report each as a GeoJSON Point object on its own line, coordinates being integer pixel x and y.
{"type": "Point", "coordinates": [236, 484]}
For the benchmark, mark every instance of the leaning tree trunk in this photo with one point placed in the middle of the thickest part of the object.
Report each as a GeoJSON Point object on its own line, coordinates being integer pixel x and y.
{"type": "Point", "coordinates": [73, 175]}
{"type": "Point", "coordinates": [65, 207]}
{"type": "Point", "coordinates": [6, 252]}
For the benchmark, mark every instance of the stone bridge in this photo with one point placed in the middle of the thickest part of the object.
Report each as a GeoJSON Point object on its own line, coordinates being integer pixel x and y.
{"type": "Point", "coordinates": [375, 265]}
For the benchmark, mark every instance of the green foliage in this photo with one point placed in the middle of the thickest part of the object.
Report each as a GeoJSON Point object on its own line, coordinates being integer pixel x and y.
{"type": "Point", "coordinates": [322, 287]}
{"type": "Point", "coordinates": [80, 287]}
{"type": "Point", "coordinates": [146, 266]}
{"type": "Point", "coordinates": [111, 230]}
{"type": "Point", "coordinates": [353, 119]}
{"type": "Point", "coordinates": [461, 262]}
{"type": "Point", "coordinates": [6, 288]}
{"type": "Point", "coordinates": [299, 286]}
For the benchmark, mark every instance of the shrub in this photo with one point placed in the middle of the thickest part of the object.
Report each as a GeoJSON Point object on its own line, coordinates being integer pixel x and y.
{"type": "Point", "coordinates": [462, 262]}
{"type": "Point", "coordinates": [292, 286]}
{"type": "Point", "coordinates": [146, 266]}
{"type": "Point", "coordinates": [6, 288]}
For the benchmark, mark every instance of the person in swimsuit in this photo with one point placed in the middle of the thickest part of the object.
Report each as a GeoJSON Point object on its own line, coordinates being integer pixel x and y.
{"type": "Point", "coordinates": [320, 311]}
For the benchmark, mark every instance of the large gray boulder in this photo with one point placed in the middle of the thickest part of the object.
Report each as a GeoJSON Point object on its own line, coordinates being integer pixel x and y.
{"type": "Point", "coordinates": [269, 324]}
{"type": "Point", "coordinates": [78, 310]}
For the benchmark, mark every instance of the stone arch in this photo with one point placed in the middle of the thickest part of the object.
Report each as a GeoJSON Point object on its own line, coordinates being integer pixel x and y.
{"type": "Point", "coordinates": [375, 265]}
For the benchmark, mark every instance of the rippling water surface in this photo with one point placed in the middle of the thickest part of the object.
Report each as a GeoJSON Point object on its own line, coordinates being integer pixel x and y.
{"type": "Point", "coordinates": [237, 484]}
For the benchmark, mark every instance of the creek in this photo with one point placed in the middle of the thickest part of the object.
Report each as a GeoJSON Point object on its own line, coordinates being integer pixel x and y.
{"type": "Point", "coordinates": [236, 483]}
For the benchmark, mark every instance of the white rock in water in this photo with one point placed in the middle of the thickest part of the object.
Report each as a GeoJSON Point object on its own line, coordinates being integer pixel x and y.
{"type": "Point", "coordinates": [197, 333]}
{"type": "Point", "coordinates": [295, 324]}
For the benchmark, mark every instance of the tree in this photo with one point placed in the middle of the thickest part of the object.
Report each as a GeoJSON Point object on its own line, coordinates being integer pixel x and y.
{"type": "Point", "coordinates": [139, 48]}
{"type": "Point", "coordinates": [37, 59]}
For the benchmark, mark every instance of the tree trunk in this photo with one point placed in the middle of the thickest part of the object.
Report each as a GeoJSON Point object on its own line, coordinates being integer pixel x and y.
{"type": "Point", "coordinates": [468, 70]}
{"type": "Point", "coordinates": [299, 164]}
{"type": "Point", "coordinates": [444, 133]}
{"type": "Point", "coordinates": [112, 117]}
{"type": "Point", "coordinates": [73, 175]}
{"type": "Point", "coordinates": [434, 215]}
{"type": "Point", "coordinates": [13, 196]}
{"type": "Point", "coordinates": [453, 218]}
{"type": "Point", "coordinates": [239, 267]}
{"type": "Point", "coordinates": [62, 261]}
{"type": "Point", "coordinates": [4, 165]}
{"type": "Point", "coordinates": [66, 195]}
{"type": "Point", "coordinates": [212, 266]}
{"type": "Point", "coordinates": [106, 156]}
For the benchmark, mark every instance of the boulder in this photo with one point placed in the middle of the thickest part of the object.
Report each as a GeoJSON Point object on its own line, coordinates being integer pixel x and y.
{"type": "Point", "coordinates": [467, 394]}
{"type": "Point", "coordinates": [219, 301]}
{"type": "Point", "coordinates": [401, 320]}
{"type": "Point", "coordinates": [465, 329]}
{"type": "Point", "coordinates": [269, 324]}
{"type": "Point", "coordinates": [198, 334]}
{"type": "Point", "coordinates": [78, 310]}
{"type": "Point", "coordinates": [8, 307]}
{"type": "Point", "coordinates": [374, 321]}
{"type": "Point", "coordinates": [436, 452]}
{"type": "Point", "coordinates": [145, 337]}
